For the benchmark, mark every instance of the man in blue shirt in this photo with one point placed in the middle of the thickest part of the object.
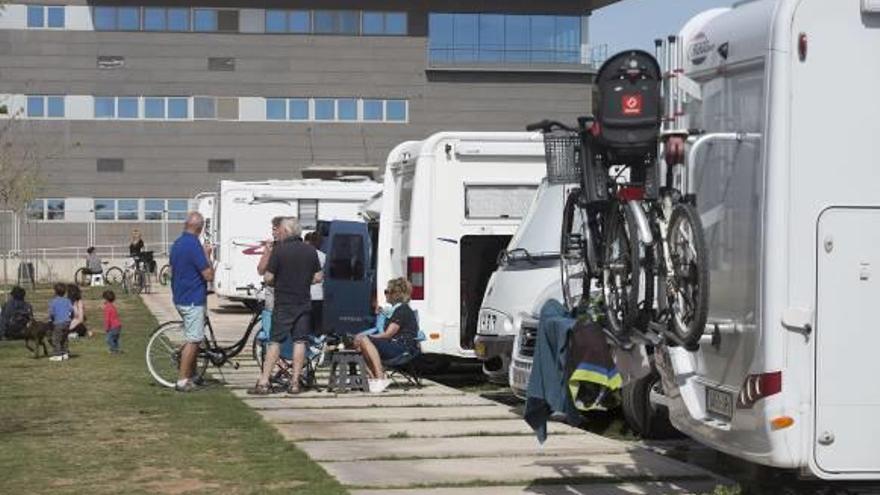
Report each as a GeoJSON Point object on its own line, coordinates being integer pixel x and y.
{"type": "Point", "coordinates": [192, 272]}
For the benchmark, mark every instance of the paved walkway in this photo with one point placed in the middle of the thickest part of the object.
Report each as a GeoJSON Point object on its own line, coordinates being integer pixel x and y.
{"type": "Point", "coordinates": [441, 441]}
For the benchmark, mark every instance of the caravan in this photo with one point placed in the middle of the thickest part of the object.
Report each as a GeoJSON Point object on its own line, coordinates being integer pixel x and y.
{"type": "Point", "coordinates": [786, 373]}
{"type": "Point", "coordinates": [450, 205]}
{"type": "Point", "coordinates": [245, 212]}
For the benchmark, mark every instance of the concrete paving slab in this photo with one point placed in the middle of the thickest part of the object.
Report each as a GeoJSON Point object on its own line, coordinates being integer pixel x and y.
{"type": "Point", "coordinates": [374, 400]}
{"type": "Point", "coordinates": [424, 429]}
{"type": "Point", "coordinates": [439, 448]}
{"type": "Point", "coordinates": [241, 391]}
{"type": "Point", "coordinates": [387, 414]}
{"type": "Point", "coordinates": [413, 473]}
{"type": "Point", "coordinates": [644, 488]}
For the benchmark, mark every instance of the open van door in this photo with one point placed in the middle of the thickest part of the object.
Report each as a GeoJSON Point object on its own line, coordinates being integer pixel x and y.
{"type": "Point", "coordinates": [348, 278]}
{"type": "Point", "coordinates": [847, 340]}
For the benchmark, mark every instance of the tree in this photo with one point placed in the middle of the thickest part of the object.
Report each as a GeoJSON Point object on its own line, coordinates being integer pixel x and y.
{"type": "Point", "coordinates": [20, 176]}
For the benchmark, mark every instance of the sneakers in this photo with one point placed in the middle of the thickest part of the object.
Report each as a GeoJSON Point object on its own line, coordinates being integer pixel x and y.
{"type": "Point", "coordinates": [59, 357]}
{"type": "Point", "coordinates": [185, 388]}
{"type": "Point", "coordinates": [65, 356]}
{"type": "Point", "coordinates": [378, 386]}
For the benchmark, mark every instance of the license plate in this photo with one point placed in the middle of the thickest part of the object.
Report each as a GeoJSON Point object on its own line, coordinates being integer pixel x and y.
{"type": "Point", "coordinates": [521, 378]}
{"type": "Point", "coordinates": [719, 402]}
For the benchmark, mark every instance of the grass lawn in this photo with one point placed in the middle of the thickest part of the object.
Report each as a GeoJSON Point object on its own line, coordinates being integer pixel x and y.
{"type": "Point", "coordinates": [98, 424]}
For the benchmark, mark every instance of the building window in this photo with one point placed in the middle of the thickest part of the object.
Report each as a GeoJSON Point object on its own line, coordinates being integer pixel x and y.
{"type": "Point", "coordinates": [177, 209]}
{"type": "Point", "coordinates": [54, 209]}
{"type": "Point", "coordinates": [204, 107]}
{"type": "Point", "coordinates": [105, 107]}
{"type": "Point", "coordinates": [395, 111]}
{"type": "Point", "coordinates": [501, 38]}
{"type": "Point", "coordinates": [110, 165]}
{"type": "Point", "coordinates": [337, 22]}
{"type": "Point", "coordinates": [154, 19]}
{"type": "Point", "coordinates": [154, 108]}
{"type": "Point", "coordinates": [105, 209]}
{"type": "Point", "coordinates": [325, 109]}
{"type": "Point", "coordinates": [128, 18]}
{"type": "Point", "coordinates": [298, 109]}
{"type": "Point", "coordinates": [227, 21]}
{"type": "Point", "coordinates": [347, 109]}
{"type": "Point", "coordinates": [128, 107]}
{"type": "Point", "coordinates": [275, 109]}
{"type": "Point", "coordinates": [300, 22]}
{"type": "Point", "coordinates": [43, 16]}
{"type": "Point", "coordinates": [336, 110]}
{"type": "Point", "coordinates": [45, 107]}
{"type": "Point", "coordinates": [276, 21]}
{"type": "Point", "coordinates": [154, 209]}
{"type": "Point", "coordinates": [178, 19]}
{"type": "Point", "coordinates": [384, 23]}
{"type": "Point", "coordinates": [204, 20]}
{"type": "Point", "coordinates": [308, 213]}
{"type": "Point", "coordinates": [221, 63]}
{"type": "Point", "coordinates": [374, 110]}
{"type": "Point", "coordinates": [178, 108]}
{"type": "Point", "coordinates": [221, 166]}
{"type": "Point", "coordinates": [127, 209]}
{"type": "Point", "coordinates": [36, 210]}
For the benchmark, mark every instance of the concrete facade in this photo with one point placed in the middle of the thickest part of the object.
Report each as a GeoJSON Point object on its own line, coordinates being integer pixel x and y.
{"type": "Point", "coordinates": [169, 159]}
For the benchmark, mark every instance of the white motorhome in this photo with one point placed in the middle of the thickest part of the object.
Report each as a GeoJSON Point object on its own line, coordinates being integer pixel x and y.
{"type": "Point", "coordinates": [528, 275]}
{"type": "Point", "coordinates": [450, 205]}
{"type": "Point", "coordinates": [245, 213]}
{"type": "Point", "coordinates": [786, 373]}
{"type": "Point", "coordinates": [206, 203]}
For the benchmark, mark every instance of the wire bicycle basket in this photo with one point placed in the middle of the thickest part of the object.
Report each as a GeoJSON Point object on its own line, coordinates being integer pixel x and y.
{"type": "Point", "coordinates": [562, 150]}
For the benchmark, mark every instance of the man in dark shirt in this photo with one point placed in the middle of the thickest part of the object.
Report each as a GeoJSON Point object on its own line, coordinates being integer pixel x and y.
{"type": "Point", "coordinates": [293, 268]}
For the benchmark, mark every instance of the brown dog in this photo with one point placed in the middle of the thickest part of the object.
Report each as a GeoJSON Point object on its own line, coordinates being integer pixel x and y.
{"type": "Point", "coordinates": [37, 331]}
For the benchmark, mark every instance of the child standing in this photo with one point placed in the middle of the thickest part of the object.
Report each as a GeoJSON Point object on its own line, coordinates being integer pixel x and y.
{"type": "Point", "coordinates": [60, 313]}
{"type": "Point", "coordinates": [111, 322]}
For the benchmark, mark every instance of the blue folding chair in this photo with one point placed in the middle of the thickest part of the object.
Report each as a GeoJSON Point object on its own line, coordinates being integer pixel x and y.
{"type": "Point", "coordinates": [284, 367]}
{"type": "Point", "coordinates": [403, 365]}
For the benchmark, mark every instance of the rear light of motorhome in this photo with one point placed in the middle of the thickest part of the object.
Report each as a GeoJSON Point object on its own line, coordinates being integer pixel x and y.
{"type": "Point", "coordinates": [781, 423]}
{"type": "Point", "coordinates": [757, 387]}
{"type": "Point", "coordinates": [415, 272]}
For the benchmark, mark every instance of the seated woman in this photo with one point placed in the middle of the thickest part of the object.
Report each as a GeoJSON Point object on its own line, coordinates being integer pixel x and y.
{"type": "Point", "coordinates": [399, 335]}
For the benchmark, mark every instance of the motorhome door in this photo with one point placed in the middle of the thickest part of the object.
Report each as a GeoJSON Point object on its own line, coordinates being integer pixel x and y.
{"type": "Point", "coordinates": [348, 278]}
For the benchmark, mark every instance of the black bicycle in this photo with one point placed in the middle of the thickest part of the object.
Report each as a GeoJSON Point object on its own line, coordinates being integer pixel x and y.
{"type": "Point", "coordinates": [166, 341]}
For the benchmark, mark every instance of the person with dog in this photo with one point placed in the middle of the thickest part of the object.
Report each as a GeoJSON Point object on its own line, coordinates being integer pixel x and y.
{"type": "Point", "coordinates": [293, 268]}
{"type": "Point", "coordinates": [60, 315]}
{"type": "Point", "coordinates": [112, 325]}
{"type": "Point", "coordinates": [78, 322]}
{"type": "Point", "coordinates": [16, 314]}
{"type": "Point", "coordinates": [399, 335]}
{"type": "Point", "coordinates": [189, 288]}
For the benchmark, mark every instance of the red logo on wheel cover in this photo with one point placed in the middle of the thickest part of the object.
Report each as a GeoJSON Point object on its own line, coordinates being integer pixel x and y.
{"type": "Point", "coordinates": [632, 104]}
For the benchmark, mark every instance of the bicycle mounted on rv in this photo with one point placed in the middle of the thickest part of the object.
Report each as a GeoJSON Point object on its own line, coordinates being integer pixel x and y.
{"type": "Point", "coordinates": [622, 228]}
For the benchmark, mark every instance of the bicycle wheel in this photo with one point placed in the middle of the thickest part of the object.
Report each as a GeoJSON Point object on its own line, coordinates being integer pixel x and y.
{"type": "Point", "coordinates": [163, 354]}
{"type": "Point", "coordinates": [621, 273]}
{"type": "Point", "coordinates": [138, 284]}
{"type": "Point", "coordinates": [165, 275]}
{"type": "Point", "coordinates": [114, 275]}
{"type": "Point", "coordinates": [688, 290]}
{"type": "Point", "coordinates": [81, 278]}
{"type": "Point", "coordinates": [573, 248]}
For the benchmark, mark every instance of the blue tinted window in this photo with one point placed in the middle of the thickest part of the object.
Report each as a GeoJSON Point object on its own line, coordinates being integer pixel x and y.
{"type": "Point", "coordinates": [105, 18]}
{"type": "Point", "coordinates": [568, 39]}
{"type": "Point", "coordinates": [55, 17]}
{"type": "Point", "coordinates": [373, 23]}
{"type": "Point", "coordinates": [374, 110]}
{"type": "Point", "coordinates": [517, 32]}
{"type": "Point", "coordinates": [348, 109]}
{"type": "Point", "coordinates": [395, 23]}
{"type": "Point", "coordinates": [127, 209]}
{"type": "Point", "coordinates": [178, 108]}
{"type": "Point", "coordinates": [349, 21]}
{"type": "Point", "coordinates": [178, 19]}
{"type": "Point", "coordinates": [35, 16]}
{"type": "Point", "coordinates": [300, 22]}
{"type": "Point", "coordinates": [105, 107]}
{"type": "Point", "coordinates": [128, 18]}
{"type": "Point", "coordinates": [491, 38]}
{"type": "Point", "coordinates": [105, 209]}
{"type": "Point", "coordinates": [395, 111]}
{"type": "Point", "coordinates": [36, 106]}
{"type": "Point", "coordinates": [466, 37]}
{"type": "Point", "coordinates": [154, 108]}
{"type": "Point", "coordinates": [55, 106]}
{"type": "Point", "coordinates": [154, 19]}
{"type": "Point", "coordinates": [325, 21]}
{"type": "Point", "coordinates": [276, 21]}
{"type": "Point", "coordinates": [325, 109]}
{"type": "Point", "coordinates": [177, 209]}
{"type": "Point", "coordinates": [127, 107]}
{"type": "Point", "coordinates": [275, 109]}
{"type": "Point", "coordinates": [205, 20]}
{"type": "Point", "coordinates": [543, 38]}
{"type": "Point", "coordinates": [440, 39]}
{"type": "Point", "coordinates": [298, 109]}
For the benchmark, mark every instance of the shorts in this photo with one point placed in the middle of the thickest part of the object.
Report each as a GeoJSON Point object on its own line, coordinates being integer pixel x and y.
{"type": "Point", "coordinates": [389, 349]}
{"type": "Point", "coordinates": [293, 321]}
{"type": "Point", "coordinates": [265, 324]}
{"type": "Point", "coordinates": [193, 322]}
{"type": "Point", "coordinates": [318, 316]}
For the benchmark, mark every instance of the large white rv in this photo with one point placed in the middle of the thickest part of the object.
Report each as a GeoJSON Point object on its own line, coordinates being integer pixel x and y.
{"type": "Point", "coordinates": [245, 213]}
{"type": "Point", "coordinates": [206, 203]}
{"type": "Point", "coordinates": [786, 374]}
{"type": "Point", "coordinates": [450, 205]}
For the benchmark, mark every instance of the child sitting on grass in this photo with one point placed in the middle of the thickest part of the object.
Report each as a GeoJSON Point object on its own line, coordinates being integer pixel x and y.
{"type": "Point", "coordinates": [60, 313]}
{"type": "Point", "coordinates": [111, 322]}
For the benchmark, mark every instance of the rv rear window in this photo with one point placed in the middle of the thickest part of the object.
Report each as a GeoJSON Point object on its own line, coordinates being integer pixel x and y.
{"type": "Point", "coordinates": [493, 201]}
{"type": "Point", "coordinates": [346, 260]}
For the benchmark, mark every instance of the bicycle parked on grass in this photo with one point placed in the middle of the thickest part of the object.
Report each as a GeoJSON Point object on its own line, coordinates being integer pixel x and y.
{"type": "Point", "coordinates": [636, 240]}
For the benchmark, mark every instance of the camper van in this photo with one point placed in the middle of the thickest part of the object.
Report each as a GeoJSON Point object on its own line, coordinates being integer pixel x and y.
{"type": "Point", "coordinates": [450, 205]}
{"type": "Point", "coordinates": [245, 213]}
{"type": "Point", "coordinates": [527, 276]}
{"type": "Point", "coordinates": [206, 204]}
{"type": "Point", "coordinates": [786, 373]}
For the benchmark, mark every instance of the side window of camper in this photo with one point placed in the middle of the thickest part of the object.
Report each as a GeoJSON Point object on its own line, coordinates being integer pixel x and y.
{"type": "Point", "coordinates": [308, 213]}
{"type": "Point", "coordinates": [493, 201]}
{"type": "Point", "coordinates": [346, 260]}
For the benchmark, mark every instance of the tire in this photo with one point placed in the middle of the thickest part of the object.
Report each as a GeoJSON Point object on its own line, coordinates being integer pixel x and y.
{"type": "Point", "coordinates": [165, 275]}
{"type": "Point", "coordinates": [621, 270]}
{"type": "Point", "coordinates": [649, 421]}
{"type": "Point", "coordinates": [688, 289]}
{"type": "Point", "coordinates": [114, 275]}
{"type": "Point", "coordinates": [81, 278]}
{"type": "Point", "coordinates": [163, 354]}
{"type": "Point", "coordinates": [574, 246]}
{"type": "Point", "coordinates": [138, 284]}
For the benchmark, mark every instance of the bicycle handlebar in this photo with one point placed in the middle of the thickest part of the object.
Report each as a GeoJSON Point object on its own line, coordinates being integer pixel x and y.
{"type": "Point", "coordinates": [548, 126]}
